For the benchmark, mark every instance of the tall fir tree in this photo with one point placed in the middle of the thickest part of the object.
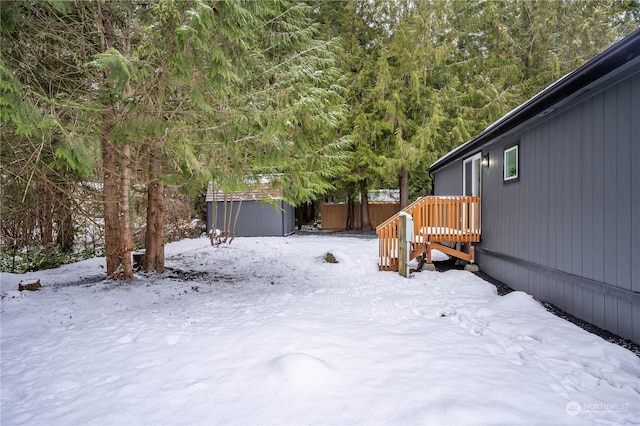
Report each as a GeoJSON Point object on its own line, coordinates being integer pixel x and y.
{"type": "Point", "coordinates": [427, 76]}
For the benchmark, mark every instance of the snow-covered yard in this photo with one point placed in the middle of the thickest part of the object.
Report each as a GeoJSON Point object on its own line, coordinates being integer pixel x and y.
{"type": "Point", "coordinates": [265, 332]}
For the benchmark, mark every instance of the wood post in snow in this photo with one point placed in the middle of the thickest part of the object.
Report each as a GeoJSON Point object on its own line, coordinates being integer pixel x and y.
{"type": "Point", "coordinates": [403, 269]}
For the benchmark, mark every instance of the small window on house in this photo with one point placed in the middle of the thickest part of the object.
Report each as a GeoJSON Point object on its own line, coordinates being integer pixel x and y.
{"type": "Point", "coordinates": [511, 172]}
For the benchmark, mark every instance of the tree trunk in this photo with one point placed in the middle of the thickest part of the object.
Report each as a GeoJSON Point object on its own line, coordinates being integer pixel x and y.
{"type": "Point", "coordinates": [126, 239]}
{"type": "Point", "coordinates": [154, 235]}
{"type": "Point", "coordinates": [65, 237]}
{"type": "Point", "coordinates": [110, 196]}
{"type": "Point", "coordinates": [350, 212]}
{"type": "Point", "coordinates": [299, 216]}
{"type": "Point", "coordinates": [215, 238]}
{"type": "Point", "coordinates": [364, 219]}
{"type": "Point", "coordinates": [404, 187]}
{"type": "Point", "coordinates": [235, 221]}
{"type": "Point", "coordinates": [46, 216]}
{"type": "Point", "coordinates": [109, 165]}
{"type": "Point", "coordinates": [223, 226]}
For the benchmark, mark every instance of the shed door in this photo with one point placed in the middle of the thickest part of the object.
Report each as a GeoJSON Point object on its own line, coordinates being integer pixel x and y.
{"type": "Point", "coordinates": [471, 175]}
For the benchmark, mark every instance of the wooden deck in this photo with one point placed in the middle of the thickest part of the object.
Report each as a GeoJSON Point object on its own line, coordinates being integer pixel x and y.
{"type": "Point", "coordinates": [437, 221]}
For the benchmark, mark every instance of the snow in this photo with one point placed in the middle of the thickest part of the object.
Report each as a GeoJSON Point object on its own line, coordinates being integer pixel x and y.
{"type": "Point", "coordinates": [263, 331]}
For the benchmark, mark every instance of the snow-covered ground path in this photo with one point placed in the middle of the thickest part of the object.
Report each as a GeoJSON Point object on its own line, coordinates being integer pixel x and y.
{"type": "Point", "coordinates": [265, 332]}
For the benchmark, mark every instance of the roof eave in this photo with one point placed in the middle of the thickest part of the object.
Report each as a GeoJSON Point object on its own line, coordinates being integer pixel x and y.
{"type": "Point", "coordinates": [615, 56]}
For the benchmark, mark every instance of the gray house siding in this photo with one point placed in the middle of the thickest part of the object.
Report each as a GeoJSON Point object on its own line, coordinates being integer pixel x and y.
{"type": "Point", "coordinates": [257, 219]}
{"type": "Point", "coordinates": [568, 232]}
{"type": "Point", "coordinates": [449, 180]}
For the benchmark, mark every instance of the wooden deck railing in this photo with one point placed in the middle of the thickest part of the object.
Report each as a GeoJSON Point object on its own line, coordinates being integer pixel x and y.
{"type": "Point", "coordinates": [454, 219]}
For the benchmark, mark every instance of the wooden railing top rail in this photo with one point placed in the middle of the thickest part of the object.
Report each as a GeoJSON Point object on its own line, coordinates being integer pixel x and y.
{"type": "Point", "coordinates": [433, 199]}
{"type": "Point", "coordinates": [395, 216]}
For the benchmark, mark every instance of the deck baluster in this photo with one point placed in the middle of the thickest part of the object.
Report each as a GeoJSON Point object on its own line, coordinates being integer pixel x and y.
{"type": "Point", "coordinates": [439, 223]}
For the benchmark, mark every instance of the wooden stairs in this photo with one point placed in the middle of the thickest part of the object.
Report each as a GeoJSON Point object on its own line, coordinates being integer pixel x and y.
{"type": "Point", "coordinates": [449, 224]}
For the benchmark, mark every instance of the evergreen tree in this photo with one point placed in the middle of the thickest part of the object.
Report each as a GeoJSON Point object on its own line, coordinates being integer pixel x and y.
{"type": "Point", "coordinates": [315, 96]}
{"type": "Point", "coordinates": [279, 119]}
{"type": "Point", "coordinates": [43, 154]}
{"type": "Point", "coordinates": [428, 76]}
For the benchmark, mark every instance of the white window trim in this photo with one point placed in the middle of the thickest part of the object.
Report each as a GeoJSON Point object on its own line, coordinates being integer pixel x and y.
{"type": "Point", "coordinates": [504, 164]}
{"type": "Point", "coordinates": [476, 157]}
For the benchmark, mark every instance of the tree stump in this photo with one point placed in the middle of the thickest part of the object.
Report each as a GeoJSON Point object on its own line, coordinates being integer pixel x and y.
{"type": "Point", "coordinates": [138, 260]}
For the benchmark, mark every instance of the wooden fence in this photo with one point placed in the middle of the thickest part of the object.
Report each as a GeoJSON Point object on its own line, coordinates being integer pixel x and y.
{"type": "Point", "coordinates": [334, 215]}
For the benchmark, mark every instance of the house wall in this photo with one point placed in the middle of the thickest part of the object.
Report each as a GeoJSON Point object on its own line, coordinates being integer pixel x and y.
{"type": "Point", "coordinates": [448, 180]}
{"type": "Point", "coordinates": [260, 220]}
{"type": "Point", "coordinates": [568, 232]}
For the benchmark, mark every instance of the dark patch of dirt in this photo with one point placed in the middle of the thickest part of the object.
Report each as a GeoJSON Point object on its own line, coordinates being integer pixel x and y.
{"type": "Point", "coordinates": [447, 265]}
{"type": "Point", "coordinates": [80, 282]}
{"type": "Point", "coordinates": [199, 276]}
{"type": "Point", "coordinates": [502, 287]}
{"type": "Point", "coordinates": [179, 274]}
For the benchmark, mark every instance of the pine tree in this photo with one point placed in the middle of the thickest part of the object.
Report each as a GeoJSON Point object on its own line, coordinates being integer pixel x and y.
{"type": "Point", "coordinates": [279, 119]}
{"type": "Point", "coordinates": [427, 76]}
{"type": "Point", "coordinates": [43, 154]}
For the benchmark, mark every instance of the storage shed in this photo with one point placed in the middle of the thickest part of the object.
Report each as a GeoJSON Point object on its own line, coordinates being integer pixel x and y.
{"type": "Point", "coordinates": [256, 217]}
{"type": "Point", "coordinates": [559, 182]}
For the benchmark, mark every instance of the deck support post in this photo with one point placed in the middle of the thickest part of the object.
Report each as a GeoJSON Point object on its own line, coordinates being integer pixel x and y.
{"type": "Point", "coordinates": [428, 266]}
{"type": "Point", "coordinates": [403, 267]}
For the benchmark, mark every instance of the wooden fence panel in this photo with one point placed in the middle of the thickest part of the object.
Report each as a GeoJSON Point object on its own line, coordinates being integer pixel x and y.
{"type": "Point", "coordinates": [334, 215]}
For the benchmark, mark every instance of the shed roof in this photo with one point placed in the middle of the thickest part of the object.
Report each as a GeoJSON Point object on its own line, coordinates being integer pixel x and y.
{"type": "Point", "coordinates": [609, 60]}
{"type": "Point", "coordinates": [262, 190]}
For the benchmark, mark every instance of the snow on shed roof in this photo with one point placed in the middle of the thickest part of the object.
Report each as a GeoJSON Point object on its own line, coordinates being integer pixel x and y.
{"type": "Point", "coordinates": [262, 190]}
